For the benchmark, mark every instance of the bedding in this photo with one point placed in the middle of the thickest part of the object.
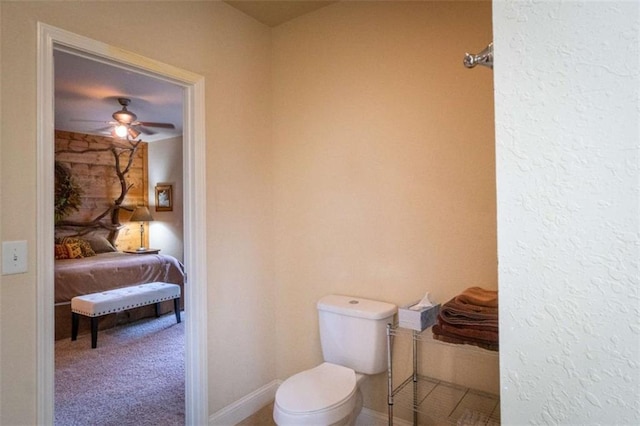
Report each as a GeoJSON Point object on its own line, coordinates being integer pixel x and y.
{"type": "Point", "coordinates": [108, 270]}
{"type": "Point", "coordinates": [87, 262]}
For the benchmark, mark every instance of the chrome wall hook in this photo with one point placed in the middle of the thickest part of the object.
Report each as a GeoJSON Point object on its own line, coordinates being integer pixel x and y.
{"type": "Point", "coordinates": [483, 58]}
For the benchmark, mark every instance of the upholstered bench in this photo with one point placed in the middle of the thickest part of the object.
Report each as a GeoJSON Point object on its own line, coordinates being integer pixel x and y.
{"type": "Point", "coordinates": [95, 305]}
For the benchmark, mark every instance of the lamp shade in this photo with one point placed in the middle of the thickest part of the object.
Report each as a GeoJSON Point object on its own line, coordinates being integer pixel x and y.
{"type": "Point", "coordinates": [141, 214]}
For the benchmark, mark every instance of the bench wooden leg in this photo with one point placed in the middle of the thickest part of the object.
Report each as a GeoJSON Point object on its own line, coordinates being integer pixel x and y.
{"type": "Point", "coordinates": [94, 332]}
{"type": "Point", "coordinates": [176, 308]}
{"type": "Point", "coordinates": [157, 305]}
{"type": "Point", "coordinates": [75, 318]}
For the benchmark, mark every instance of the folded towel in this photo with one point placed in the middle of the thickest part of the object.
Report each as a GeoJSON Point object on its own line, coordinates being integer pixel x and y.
{"type": "Point", "coordinates": [485, 334]}
{"type": "Point", "coordinates": [476, 325]}
{"type": "Point", "coordinates": [470, 318]}
{"type": "Point", "coordinates": [478, 296]}
{"type": "Point", "coordinates": [463, 314]}
{"type": "Point", "coordinates": [465, 308]}
{"type": "Point", "coordinates": [444, 336]}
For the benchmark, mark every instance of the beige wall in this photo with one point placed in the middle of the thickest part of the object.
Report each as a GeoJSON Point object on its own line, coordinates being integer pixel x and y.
{"type": "Point", "coordinates": [165, 166]}
{"type": "Point", "coordinates": [384, 165]}
{"type": "Point", "coordinates": [232, 52]}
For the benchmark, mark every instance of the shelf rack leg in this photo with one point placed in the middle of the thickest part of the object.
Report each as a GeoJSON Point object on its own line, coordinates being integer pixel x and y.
{"type": "Point", "coordinates": [415, 377]}
{"type": "Point", "coordinates": [389, 376]}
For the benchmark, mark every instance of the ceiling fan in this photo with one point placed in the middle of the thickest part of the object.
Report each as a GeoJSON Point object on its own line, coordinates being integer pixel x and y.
{"type": "Point", "coordinates": [126, 123]}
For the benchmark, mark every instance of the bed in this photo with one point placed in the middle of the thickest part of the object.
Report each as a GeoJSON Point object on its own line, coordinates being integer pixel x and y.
{"type": "Point", "coordinates": [98, 266]}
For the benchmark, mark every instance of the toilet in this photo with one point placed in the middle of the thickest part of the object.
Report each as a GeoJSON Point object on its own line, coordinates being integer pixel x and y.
{"type": "Point", "coordinates": [353, 339]}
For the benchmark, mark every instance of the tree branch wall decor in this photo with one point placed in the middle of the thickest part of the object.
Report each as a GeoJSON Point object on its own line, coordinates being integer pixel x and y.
{"type": "Point", "coordinates": [113, 176]}
{"type": "Point", "coordinates": [68, 195]}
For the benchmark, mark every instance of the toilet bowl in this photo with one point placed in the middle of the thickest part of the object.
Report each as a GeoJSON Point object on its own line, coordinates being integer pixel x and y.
{"type": "Point", "coordinates": [353, 340]}
{"type": "Point", "coordinates": [328, 394]}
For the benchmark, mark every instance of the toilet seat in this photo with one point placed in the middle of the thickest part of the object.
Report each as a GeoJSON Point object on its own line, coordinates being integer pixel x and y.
{"type": "Point", "coordinates": [321, 395]}
{"type": "Point", "coordinates": [317, 389]}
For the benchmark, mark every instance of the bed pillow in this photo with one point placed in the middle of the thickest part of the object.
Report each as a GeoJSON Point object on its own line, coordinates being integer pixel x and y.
{"type": "Point", "coordinates": [101, 245]}
{"type": "Point", "coordinates": [85, 247]}
{"type": "Point", "coordinates": [74, 250]}
{"type": "Point", "coordinates": [61, 252]}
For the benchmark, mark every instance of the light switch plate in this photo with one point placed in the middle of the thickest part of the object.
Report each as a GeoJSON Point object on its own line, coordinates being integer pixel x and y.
{"type": "Point", "coordinates": [14, 257]}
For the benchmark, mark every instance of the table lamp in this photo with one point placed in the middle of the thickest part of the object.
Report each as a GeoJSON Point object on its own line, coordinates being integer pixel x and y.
{"type": "Point", "coordinates": [141, 214]}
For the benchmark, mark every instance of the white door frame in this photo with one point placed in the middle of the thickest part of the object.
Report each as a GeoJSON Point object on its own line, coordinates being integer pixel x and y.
{"type": "Point", "coordinates": [196, 383]}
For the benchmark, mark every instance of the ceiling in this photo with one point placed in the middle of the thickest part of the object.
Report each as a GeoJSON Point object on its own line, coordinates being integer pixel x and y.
{"type": "Point", "coordinates": [87, 91]}
{"type": "Point", "coordinates": [274, 12]}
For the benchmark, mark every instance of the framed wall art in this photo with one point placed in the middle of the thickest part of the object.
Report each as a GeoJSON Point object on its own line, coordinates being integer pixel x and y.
{"type": "Point", "coordinates": [164, 197]}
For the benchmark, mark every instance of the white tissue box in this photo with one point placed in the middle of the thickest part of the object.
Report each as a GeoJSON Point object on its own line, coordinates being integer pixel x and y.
{"type": "Point", "coordinates": [417, 320]}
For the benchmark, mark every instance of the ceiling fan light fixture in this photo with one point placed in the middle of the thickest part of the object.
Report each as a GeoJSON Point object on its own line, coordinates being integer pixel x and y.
{"type": "Point", "coordinates": [121, 131]}
{"type": "Point", "coordinates": [133, 133]}
{"type": "Point", "coordinates": [124, 116]}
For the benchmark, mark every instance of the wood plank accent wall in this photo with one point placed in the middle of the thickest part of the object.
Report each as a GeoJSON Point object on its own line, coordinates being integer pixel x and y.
{"type": "Point", "coordinates": [95, 173]}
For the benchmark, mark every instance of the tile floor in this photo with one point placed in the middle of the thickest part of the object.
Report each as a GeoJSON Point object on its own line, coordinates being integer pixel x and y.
{"type": "Point", "coordinates": [440, 403]}
{"type": "Point", "coordinates": [264, 417]}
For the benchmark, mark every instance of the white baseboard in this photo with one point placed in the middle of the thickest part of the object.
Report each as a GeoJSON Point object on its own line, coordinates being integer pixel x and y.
{"type": "Point", "coordinates": [241, 409]}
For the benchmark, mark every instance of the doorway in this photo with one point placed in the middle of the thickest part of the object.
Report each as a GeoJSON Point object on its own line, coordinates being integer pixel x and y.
{"type": "Point", "coordinates": [50, 39]}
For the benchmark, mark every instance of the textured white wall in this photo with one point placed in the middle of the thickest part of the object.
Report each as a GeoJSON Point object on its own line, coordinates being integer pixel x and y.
{"type": "Point", "coordinates": [567, 126]}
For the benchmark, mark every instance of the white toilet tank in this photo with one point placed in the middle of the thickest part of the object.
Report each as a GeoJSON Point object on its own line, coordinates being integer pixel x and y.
{"type": "Point", "coordinates": [353, 332]}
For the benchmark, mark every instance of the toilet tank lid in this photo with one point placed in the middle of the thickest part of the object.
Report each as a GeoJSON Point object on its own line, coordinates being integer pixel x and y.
{"type": "Point", "coordinates": [356, 307]}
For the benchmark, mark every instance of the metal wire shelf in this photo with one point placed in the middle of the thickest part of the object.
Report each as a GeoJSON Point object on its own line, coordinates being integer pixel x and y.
{"type": "Point", "coordinates": [435, 402]}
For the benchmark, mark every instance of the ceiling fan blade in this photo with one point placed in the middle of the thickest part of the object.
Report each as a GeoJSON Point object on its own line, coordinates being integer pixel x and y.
{"type": "Point", "coordinates": [161, 125]}
{"type": "Point", "coordinates": [144, 130]}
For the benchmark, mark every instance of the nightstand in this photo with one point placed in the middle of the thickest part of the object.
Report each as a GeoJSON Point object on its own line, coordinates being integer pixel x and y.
{"type": "Point", "coordinates": [145, 251]}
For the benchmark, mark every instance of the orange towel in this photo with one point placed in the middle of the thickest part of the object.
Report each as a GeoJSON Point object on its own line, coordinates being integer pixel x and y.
{"type": "Point", "coordinates": [478, 296]}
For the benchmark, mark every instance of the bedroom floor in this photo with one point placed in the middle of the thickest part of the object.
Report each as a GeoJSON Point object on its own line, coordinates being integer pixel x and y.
{"type": "Point", "coordinates": [135, 376]}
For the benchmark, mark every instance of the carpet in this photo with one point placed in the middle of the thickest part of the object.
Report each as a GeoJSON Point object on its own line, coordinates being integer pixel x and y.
{"type": "Point", "coordinates": [134, 377]}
